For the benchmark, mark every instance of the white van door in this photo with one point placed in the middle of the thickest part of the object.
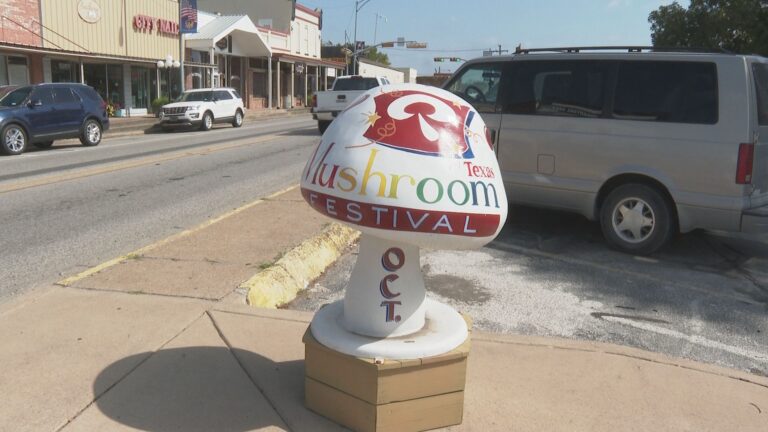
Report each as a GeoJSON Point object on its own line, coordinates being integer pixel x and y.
{"type": "Point", "coordinates": [550, 131]}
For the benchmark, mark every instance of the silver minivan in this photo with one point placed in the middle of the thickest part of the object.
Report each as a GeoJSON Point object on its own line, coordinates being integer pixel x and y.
{"type": "Point", "coordinates": [649, 143]}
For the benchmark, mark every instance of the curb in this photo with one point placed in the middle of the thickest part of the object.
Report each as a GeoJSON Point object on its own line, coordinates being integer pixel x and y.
{"type": "Point", "coordinates": [280, 283]}
{"type": "Point", "coordinates": [69, 281]}
{"type": "Point", "coordinates": [150, 128]}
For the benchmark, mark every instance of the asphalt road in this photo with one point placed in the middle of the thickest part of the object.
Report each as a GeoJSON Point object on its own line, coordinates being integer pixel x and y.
{"type": "Point", "coordinates": [551, 274]}
{"type": "Point", "coordinates": [69, 208]}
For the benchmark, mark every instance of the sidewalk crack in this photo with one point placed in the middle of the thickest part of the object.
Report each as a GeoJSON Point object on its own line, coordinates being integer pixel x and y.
{"type": "Point", "coordinates": [245, 370]}
{"type": "Point", "coordinates": [128, 373]}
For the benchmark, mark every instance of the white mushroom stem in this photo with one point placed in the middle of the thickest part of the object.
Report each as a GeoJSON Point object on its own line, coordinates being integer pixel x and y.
{"type": "Point", "coordinates": [386, 294]}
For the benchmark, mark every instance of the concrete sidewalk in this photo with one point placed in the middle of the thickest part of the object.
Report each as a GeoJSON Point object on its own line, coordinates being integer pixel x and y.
{"type": "Point", "coordinates": [161, 341]}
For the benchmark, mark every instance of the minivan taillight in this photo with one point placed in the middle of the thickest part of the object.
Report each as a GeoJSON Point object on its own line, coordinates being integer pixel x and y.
{"type": "Point", "coordinates": [314, 100]}
{"type": "Point", "coordinates": [744, 164]}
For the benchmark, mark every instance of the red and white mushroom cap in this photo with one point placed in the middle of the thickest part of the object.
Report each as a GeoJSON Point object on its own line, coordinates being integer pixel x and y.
{"type": "Point", "coordinates": [409, 163]}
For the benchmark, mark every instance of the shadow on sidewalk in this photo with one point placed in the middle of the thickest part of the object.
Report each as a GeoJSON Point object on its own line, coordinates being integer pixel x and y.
{"type": "Point", "coordinates": [192, 389]}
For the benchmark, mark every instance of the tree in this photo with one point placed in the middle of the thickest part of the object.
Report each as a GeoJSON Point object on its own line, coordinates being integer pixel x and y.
{"type": "Point", "coordinates": [331, 50]}
{"type": "Point", "coordinates": [740, 26]}
{"type": "Point", "coordinates": [373, 54]}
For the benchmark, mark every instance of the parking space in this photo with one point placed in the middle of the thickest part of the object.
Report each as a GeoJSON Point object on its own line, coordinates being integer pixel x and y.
{"type": "Point", "coordinates": [705, 297]}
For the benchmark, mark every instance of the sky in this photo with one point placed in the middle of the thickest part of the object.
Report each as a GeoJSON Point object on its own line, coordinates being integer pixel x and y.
{"type": "Point", "coordinates": [453, 28]}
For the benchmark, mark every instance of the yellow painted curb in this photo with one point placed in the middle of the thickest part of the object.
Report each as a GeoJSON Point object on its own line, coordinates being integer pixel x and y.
{"type": "Point", "coordinates": [138, 252]}
{"type": "Point", "coordinates": [280, 283]}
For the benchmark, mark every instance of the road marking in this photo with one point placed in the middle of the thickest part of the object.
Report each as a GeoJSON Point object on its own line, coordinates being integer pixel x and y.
{"type": "Point", "coordinates": [56, 178]}
{"type": "Point", "coordinates": [105, 265]}
{"type": "Point", "coordinates": [691, 339]}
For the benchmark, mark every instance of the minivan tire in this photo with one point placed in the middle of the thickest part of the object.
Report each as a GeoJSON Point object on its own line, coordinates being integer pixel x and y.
{"type": "Point", "coordinates": [207, 122]}
{"type": "Point", "coordinates": [91, 133]}
{"type": "Point", "coordinates": [322, 125]}
{"type": "Point", "coordinates": [238, 120]}
{"type": "Point", "coordinates": [13, 140]}
{"type": "Point", "coordinates": [637, 219]}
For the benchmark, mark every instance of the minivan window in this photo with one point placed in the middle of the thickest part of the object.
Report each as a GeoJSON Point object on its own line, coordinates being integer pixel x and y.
{"type": "Point", "coordinates": [355, 83]}
{"type": "Point", "coordinates": [15, 97]}
{"type": "Point", "coordinates": [478, 84]}
{"type": "Point", "coordinates": [87, 92]}
{"type": "Point", "coordinates": [198, 96]}
{"type": "Point", "coordinates": [556, 88]}
{"type": "Point", "coordinates": [666, 91]}
{"type": "Point", "coordinates": [222, 95]}
{"type": "Point", "coordinates": [63, 95]}
{"type": "Point", "coordinates": [760, 71]}
{"type": "Point", "coordinates": [42, 94]}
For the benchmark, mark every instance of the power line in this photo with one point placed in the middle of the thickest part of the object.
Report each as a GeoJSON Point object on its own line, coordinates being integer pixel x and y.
{"type": "Point", "coordinates": [438, 50]}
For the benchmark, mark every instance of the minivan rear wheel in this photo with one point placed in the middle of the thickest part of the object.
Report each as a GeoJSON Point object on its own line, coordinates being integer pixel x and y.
{"type": "Point", "coordinates": [13, 140]}
{"type": "Point", "coordinates": [637, 219]}
{"type": "Point", "coordinates": [91, 133]}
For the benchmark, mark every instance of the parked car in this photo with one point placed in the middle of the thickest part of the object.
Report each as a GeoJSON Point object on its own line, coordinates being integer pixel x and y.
{"type": "Point", "coordinates": [328, 104]}
{"type": "Point", "coordinates": [203, 108]}
{"type": "Point", "coordinates": [649, 143]}
{"type": "Point", "coordinates": [39, 114]}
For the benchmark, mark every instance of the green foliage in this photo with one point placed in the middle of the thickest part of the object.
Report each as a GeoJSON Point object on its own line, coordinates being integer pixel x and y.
{"type": "Point", "coordinates": [740, 26]}
{"type": "Point", "coordinates": [373, 54]}
{"type": "Point", "coordinates": [335, 51]}
{"type": "Point", "coordinates": [159, 102]}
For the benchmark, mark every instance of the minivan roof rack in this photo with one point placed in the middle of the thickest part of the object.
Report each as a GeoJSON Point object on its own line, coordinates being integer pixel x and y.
{"type": "Point", "coordinates": [520, 50]}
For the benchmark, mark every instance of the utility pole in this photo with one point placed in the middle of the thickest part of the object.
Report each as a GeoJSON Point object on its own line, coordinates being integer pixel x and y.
{"type": "Point", "coordinates": [358, 5]}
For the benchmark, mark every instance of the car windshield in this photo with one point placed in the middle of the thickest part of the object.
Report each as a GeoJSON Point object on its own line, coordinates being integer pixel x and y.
{"type": "Point", "coordinates": [5, 90]}
{"type": "Point", "coordinates": [199, 96]}
{"type": "Point", "coordinates": [357, 83]}
{"type": "Point", "coordinates": [15, 97]}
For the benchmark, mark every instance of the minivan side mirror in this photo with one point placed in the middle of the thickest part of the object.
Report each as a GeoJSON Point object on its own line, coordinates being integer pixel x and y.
{"type": "Point", "coordinates": [35, 103]}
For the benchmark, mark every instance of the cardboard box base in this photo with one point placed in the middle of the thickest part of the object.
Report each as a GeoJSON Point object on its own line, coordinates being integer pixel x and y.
{"type": "Point", "coordinates": [413, 415]}
{"type": "Point", "coordinates": [394, 395]}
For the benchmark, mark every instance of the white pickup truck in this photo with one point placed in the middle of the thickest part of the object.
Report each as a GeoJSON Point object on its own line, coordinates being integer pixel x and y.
{"type": "Point", "coordinates": [328, 104]}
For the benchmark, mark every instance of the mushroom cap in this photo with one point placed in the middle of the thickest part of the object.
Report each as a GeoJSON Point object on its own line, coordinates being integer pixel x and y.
{"type": "Point", "coordinates": [409, 163]}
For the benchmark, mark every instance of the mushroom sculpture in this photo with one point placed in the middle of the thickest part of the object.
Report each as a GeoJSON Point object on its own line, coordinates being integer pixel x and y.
{"type": "Point", "coordinates": [411, 167]}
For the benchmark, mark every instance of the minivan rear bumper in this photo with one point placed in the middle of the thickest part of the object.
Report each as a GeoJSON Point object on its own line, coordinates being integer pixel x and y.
{"type": "Point", "coordinates": [755, 220]}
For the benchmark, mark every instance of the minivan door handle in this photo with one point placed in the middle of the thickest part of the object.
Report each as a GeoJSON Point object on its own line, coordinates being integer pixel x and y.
{"type": "Point", "coordinates": [492, 138]}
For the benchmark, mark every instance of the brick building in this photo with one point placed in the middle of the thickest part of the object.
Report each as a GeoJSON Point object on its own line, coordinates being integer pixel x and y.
{"type": "Point", "coordinates": [266, 52]}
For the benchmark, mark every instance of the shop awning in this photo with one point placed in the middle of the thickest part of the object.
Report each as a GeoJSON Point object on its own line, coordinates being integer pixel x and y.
{"type": "Point", "coordinates": [246, 40]}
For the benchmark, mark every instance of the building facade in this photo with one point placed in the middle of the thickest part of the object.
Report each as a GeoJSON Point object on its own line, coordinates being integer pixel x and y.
{"type": "Point", "coordinates": [293, 69]}
{"type": "Point", "coordinates": [269, 50]}
{"type": "Point", "coordinates": [111, 45]}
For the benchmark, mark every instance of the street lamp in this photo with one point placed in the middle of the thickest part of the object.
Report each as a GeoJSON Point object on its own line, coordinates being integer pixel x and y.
{"type": "Point", "coordinates": [376, 25]}
{"type": "Point", "coordinates": [168, 64]}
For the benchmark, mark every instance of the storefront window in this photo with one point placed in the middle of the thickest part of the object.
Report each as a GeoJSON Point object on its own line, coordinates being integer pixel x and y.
{"type": "Point", "coordinates": [170, 76]}
{"type": "Point", "coordinates": [96, 77]}
{"type": "Point", "coordinates": [64, 71]}
{"type": "Point", "coordinates": [140, 87]}
{"type": "Point", "coordinates": [116, 86]}
{"type": "Point", "coordinates": [13, 70]}
{"type": "Point", "coordinates": [199, 57]}
{"type": "Point", "coordinates": [235, 73]}
{"type": "Point", "coordinates": [107, 79]}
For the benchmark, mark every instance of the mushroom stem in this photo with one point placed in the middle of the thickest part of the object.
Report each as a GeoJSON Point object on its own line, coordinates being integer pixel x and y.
{"type": "Point", "coordinates": [385, 296]}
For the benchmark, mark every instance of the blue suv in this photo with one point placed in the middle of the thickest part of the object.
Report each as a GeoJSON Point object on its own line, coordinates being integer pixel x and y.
{"type": "Point", "coordinates": [39, 114]}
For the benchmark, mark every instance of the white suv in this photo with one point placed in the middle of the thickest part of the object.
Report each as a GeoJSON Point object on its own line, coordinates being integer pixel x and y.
{"type": "Point", "coordinates": [204, 107]}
